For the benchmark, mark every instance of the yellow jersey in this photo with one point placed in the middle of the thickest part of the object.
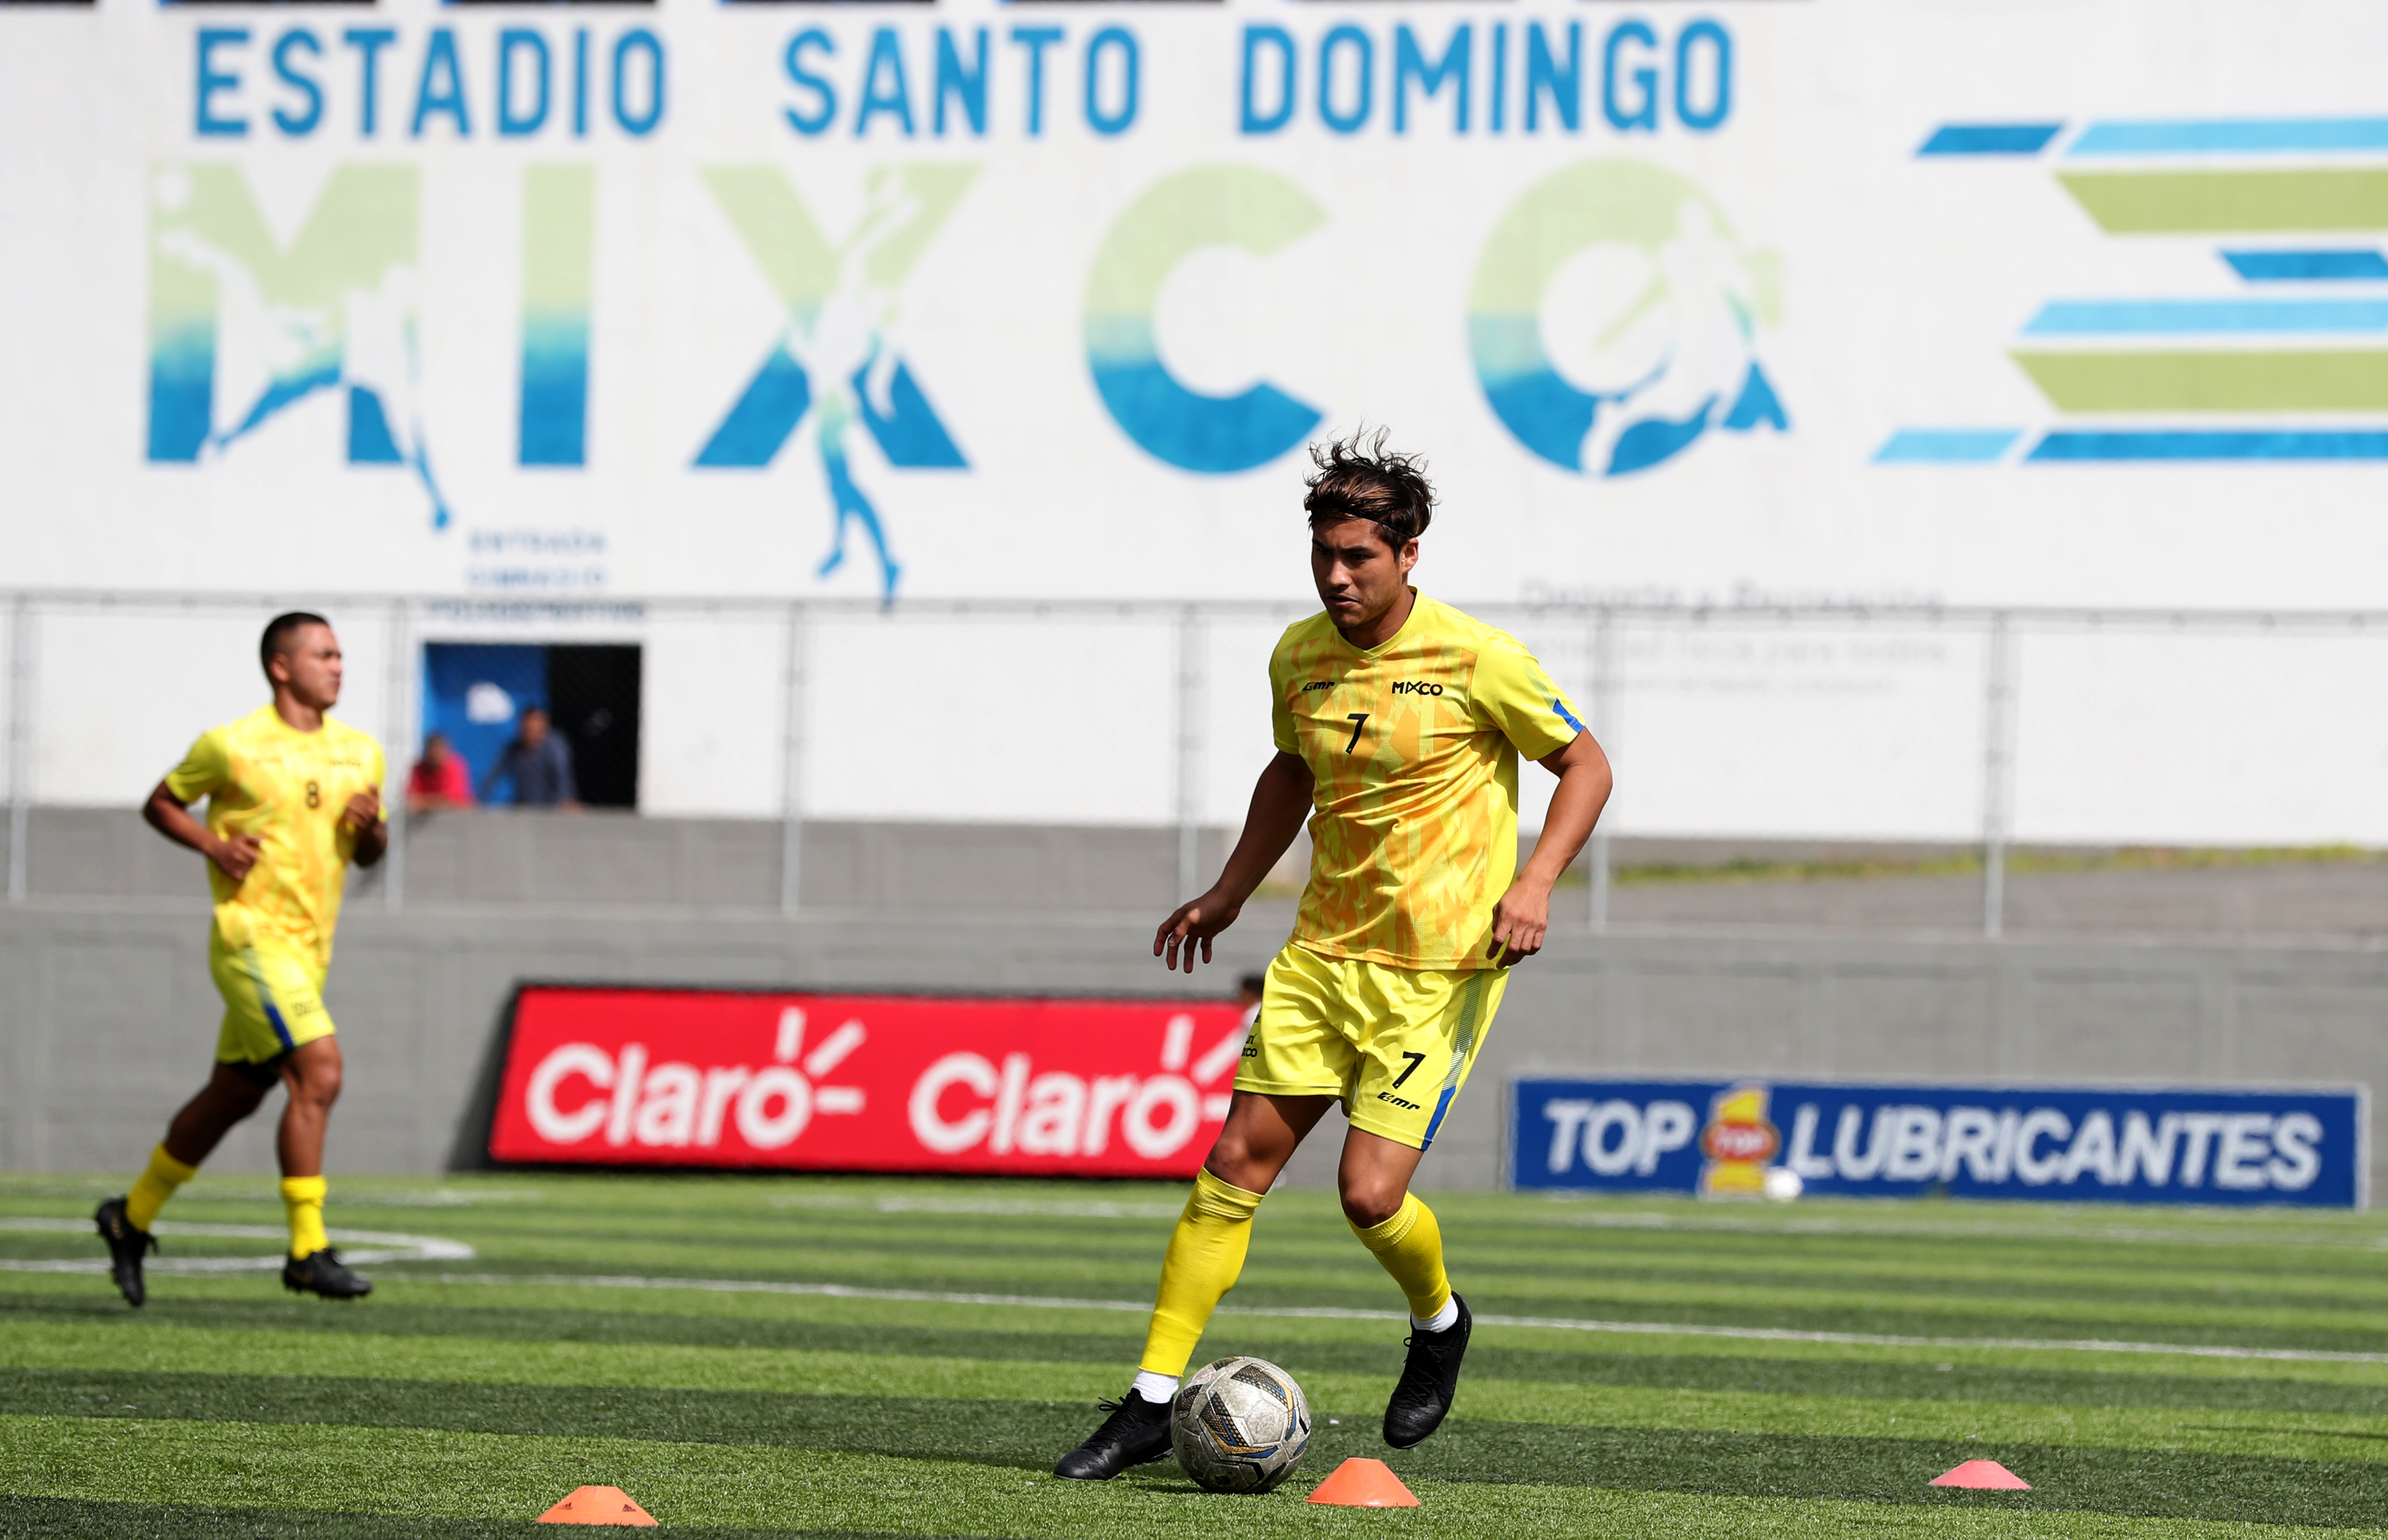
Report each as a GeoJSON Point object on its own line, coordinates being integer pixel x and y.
{"type": "Point", "coordinates": [1413, 747]}
{"type": "Point", "coordinates": [264, 777]}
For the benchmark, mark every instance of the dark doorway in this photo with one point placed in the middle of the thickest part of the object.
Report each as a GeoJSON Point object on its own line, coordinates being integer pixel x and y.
{"type": "Point", "coordinates": [593, 692]}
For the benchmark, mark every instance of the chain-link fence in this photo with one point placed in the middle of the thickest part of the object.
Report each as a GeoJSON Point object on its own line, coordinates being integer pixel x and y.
{"type": "Point", "coordinates": [1939, 725]}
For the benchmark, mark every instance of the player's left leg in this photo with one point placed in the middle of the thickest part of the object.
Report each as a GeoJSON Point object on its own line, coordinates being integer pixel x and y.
{"type": "Point", "coordinates": [1426, 1027]}
{"type": "Point", "coordinates": [312, 1072]}
{"type": "Point", "coordinates": [277, 991]}
{"type": "Point", "coordinates": [1393, 1222]}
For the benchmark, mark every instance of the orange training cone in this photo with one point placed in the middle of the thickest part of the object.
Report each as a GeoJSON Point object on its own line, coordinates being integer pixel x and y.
{"type": "Point", "coordinates": [1985, 1474]}
{"type": "Point", "coordinates": [599, 1505]}
{"type": "Point", "coordinates": [1362, 1482]}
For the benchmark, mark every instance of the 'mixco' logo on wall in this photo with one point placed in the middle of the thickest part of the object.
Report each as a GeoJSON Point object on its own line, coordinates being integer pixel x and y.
{"type": "Point", "coordinates": [1675, 359]}
{"type": "Point", "coordinates": [245, 325]}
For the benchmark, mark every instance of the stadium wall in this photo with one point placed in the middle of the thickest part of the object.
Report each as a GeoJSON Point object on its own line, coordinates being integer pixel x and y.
{"type": "Point", "coordinates": [106, 1016]}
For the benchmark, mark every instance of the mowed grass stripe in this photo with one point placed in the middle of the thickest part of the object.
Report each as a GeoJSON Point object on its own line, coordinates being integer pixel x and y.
{"type": "Point", "coordinates": [2338, 1279]}
{"type": "Point", "coordinates": [825, 1403]}
{"type": "Point", "coordinates": [964, 1253]}
{"type": "Point", "coordinates": [2226, 1333]}
{"type": "Point", "coordinates": [2222, 1323]}
{"type": "Point", "coordinates": [2090, 1273]}
{"type": "Point", "coordinates": [1010, 1444]}
{"type": "Point", "coordinates": [758, 1496]}
{"type": "Point", "coordinates": [708, 1353]}
{"type": "Point", "coordinates": [77, 1519]}
{"type": "Point", "coordinates": [756, 1208]}
{"type": "Point", "coordinates": [766, 1319]}
{"type": "Point", "coordinates": [1262, 1293]}
{"type": "Point", "coordinates": [1827, 1282]}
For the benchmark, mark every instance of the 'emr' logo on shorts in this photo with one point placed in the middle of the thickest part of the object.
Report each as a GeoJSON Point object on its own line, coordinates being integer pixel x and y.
{"type": "Point", "coordinates": [1389, 1096]}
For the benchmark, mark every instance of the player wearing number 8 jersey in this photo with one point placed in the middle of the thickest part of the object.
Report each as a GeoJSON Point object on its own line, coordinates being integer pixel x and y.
{"type": "Point", "coordinates": [293, 796]}
{"type": "Point", "coordinates": [1399, 723]}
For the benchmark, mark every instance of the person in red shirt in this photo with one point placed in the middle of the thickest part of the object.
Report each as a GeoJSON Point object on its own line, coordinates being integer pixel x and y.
{"type": "Point", "coordinates": [441, 779]}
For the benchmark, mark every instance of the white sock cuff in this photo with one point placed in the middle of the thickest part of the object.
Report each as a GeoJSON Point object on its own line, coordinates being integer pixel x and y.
{"type": "Point", "coordinates": [1156, 1389]}
{"type": "Point", "coordinates": [1444, 1318]}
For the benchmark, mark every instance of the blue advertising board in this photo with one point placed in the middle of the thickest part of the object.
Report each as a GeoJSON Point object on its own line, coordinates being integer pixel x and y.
{"type": "Point", "coordinates": [1717, 1138]}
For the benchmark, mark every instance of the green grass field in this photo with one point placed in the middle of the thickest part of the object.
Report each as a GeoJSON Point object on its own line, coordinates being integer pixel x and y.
{"type": "Point", "coordinates": [845, 1356]}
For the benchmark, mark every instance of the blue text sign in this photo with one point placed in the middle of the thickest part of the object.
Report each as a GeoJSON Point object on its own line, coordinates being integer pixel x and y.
{"type": "Point", "coordinates": [1720, 1137]}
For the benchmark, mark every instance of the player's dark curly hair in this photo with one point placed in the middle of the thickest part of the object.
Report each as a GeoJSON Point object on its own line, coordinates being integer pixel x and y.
{"type": "Point", "coordinates": [278, 632]}
{"type": "Point", "coordinates": [1358, 478]}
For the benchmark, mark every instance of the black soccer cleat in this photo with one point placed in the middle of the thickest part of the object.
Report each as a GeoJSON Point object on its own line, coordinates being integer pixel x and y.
{"type": "Point", "coordinates": [125, 1246]}
{"type": "Point", "coordinates": [1430, 1377]}
{"type": "Point", "coordinates": [1136, 1432]}
{"type": "Point", "coordinates": [323, 1272]}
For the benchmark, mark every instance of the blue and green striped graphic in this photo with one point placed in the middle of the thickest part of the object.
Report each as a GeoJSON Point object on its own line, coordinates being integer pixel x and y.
{"type": "Point", "coordinates": [2223, 376]}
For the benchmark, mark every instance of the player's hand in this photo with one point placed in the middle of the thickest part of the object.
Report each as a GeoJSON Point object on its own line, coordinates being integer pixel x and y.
{"type": "Point", "coordinates": [1195, 922]}
{"type": "Point", "coordinates": [363, 810]}
{"type": "Point", "coordinates": [1519, 922]}
{"type": "Point", "coordinates": [234, 857]}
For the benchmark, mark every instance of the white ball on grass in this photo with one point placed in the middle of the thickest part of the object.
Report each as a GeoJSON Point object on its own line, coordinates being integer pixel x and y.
{"type": "Point", "coordinates": [1239, 1425]}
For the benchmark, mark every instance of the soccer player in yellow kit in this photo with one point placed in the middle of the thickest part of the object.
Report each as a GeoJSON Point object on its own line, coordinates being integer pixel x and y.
{"type": "Point", "coordinates": [293, 797]}
{"type": "Point", "coordinates": [1399, 720]}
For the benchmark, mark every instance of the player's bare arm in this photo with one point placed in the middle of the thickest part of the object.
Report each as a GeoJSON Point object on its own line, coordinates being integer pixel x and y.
{"type": "Point", "coordinates": [172, 817]}
{"type": "Point", "coordinates": [362, 816]}
{"type": "Point", "coordinates": [1280, 801]}
{"type": "Point", "coordinates": [1522, 918]}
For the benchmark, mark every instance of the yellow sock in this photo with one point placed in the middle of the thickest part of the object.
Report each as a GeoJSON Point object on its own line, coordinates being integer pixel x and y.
{"type": "Point", "coordinates": [154, 1186]}
{"type": "Point", "coordinates": [1410, 1245]}
{"type": "Point", "coordinates": [303, 1197]}
{"type": "Point", "coordinates": [1206, 1252]}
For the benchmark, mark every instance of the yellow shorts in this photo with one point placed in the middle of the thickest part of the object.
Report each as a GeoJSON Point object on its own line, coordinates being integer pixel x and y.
{"type": "Point", "coordinates": [1395, 1044]}
{"type": "Point", "coordinates": [274, 1001]}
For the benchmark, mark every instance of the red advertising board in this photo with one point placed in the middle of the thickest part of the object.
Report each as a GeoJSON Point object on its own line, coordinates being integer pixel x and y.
{"type": "Point", "coordinates": [864, 1082]}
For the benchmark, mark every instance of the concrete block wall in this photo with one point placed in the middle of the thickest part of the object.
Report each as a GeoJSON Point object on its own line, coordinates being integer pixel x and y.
{"type": "Point", "coordinates": [107, 1019]}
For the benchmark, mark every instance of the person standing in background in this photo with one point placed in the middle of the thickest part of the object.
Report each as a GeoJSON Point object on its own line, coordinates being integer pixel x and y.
{"type": "Point", "coordinates": [538, 762]}
{"type": "Point", "coordinates": [442, 780]}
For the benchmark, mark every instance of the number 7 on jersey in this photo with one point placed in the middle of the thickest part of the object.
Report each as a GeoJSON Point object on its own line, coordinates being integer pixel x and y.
{"type": "Point", "coordinates": [1358, 721]}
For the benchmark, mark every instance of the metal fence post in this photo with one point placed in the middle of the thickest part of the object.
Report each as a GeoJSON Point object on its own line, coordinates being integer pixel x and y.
{"type": "Point", "coordinates": [20, 743]}
{"type": "Point", "coordinates": [1998, 770]}
{"type": "Point", "coordinates": [792, 766]}
{"type": "Point", "coordinates": [1190, 752]}
{"type": "Point", "coordinates": [1603, 666]}
{"type": "Point", "coordinates": [19, 746]}
{"type": "Point", "coordinates": [399, 742]}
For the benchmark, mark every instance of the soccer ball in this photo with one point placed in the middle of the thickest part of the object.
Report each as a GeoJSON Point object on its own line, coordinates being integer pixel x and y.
{"type": "Point", "coordinates": [1239, 1425]}
{"type": "Point", "coordinates": [1782, 1183]}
